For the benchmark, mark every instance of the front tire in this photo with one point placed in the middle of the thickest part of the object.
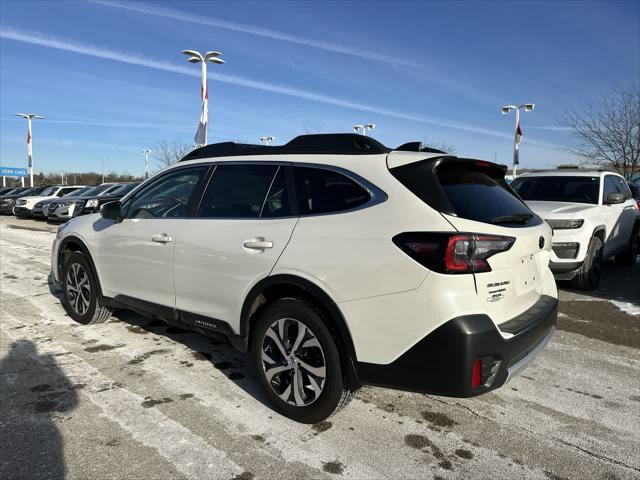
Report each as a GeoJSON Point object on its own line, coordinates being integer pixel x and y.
{"type": "Point", "coordinates": [79, 284]}
{"type": "Point", "coordinates": [588, 276]}
{"type": "Point", "coordinates": [298, 362]}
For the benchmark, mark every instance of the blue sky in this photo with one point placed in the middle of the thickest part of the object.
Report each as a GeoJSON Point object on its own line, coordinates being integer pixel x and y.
{"type": "Point", "coordinates": [110, 79]}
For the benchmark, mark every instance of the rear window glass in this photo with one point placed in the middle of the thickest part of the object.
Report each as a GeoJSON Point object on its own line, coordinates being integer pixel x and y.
{"type": "Point", "coordinates": [326, 191]}
{"type": "Point", "coordinates": [475, 195]}
{"type": "Point", "coordinates": [467, 190]}
{"type": "Point", "coordinates": [577, 189]}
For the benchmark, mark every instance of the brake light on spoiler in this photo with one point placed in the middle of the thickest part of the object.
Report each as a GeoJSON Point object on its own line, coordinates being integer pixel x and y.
{"type": "Point", "coordinates": [453, 253]}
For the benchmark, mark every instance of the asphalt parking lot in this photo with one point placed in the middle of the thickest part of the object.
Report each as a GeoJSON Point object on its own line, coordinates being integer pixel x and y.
{"type": "Point", "coordinates": [134, 398]}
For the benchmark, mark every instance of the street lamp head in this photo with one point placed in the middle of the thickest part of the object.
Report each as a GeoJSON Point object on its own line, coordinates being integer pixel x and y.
{"type": "Point", "coordinates": [209, 55]}
{"type": "Point", "coordinates": [357, 128]}
{"type": "Point", "coordinates": [507, 109]}
{"type": "Point", "coordinates": [219, 61]}
{"type": "Point", "coordinates": [370, 126]}
{"type": "Point", "coordinates": [528, 107]}
{"type": "Point", "coordinates": [29, 115]}
{"type": "Point", "coordinates": [193, 53]}
{"type": "Point", "coordinates": [194, 60]}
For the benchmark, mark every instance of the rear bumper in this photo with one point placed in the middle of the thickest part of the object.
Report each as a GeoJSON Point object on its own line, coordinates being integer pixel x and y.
{"type": "Point", "coordinates": [442, 362]}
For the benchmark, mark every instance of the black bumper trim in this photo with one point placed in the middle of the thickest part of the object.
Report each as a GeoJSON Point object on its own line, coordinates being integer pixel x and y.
{"type": "Point", "coordinates": [442, 362]}
{"type": "Point", "coordinates": [564, 267]}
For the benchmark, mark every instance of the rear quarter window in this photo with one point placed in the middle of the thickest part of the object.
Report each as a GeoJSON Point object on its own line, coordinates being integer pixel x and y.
{"type": "Point", "coordinates": [326, 191]}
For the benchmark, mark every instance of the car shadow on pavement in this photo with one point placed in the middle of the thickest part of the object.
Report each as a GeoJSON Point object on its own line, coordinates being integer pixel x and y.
{"type": "Point", "coordinates": [617, 283]}
{"type": "Point", "coordinates": [34, 393]}
{"type": "Point", "coordinates": [218, 352]}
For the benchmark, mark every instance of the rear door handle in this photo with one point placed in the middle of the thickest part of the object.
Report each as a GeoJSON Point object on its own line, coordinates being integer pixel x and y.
{"type": "Point", "coordinates": [258, 244]}
{"type": "Point", "coordinates": [162, 238]}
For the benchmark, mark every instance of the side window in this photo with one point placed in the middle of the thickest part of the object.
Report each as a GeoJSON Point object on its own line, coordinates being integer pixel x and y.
{"type": "Point", "coordinates": [277, 202]}
{"type": "Point", "coordinates": [624, 188]}
{"type": "Point", "coordinates": [168, 196]}
{"type": "Point", "coordinates": [610, 186]}
{"type": "Point", "coordinates": [325, 191]}
{"type": "Point", "coordinates": [237, 191]}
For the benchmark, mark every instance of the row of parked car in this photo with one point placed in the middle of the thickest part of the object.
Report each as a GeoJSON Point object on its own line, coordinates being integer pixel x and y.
{"type": "Point", "coordinates": [59, 203]}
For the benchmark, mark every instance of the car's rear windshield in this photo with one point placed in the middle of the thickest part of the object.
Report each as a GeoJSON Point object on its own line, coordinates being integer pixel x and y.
{"type": "Point", "coordinates": [48, 192]}
{"type": "Point", "coordinates": [95, 191]}
{"type": "Point", "coordinates": [471, 191]}
{"type": "Point", "coordinates": [123, 189]}
{"type": "Point", "coordinates": [77, 193]}
{"type": "Point", "coordinates": [578, 189]}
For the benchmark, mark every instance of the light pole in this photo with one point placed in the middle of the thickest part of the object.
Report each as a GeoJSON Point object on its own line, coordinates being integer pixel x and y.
{"type": "Point", "coordinates": [506, 110]}
{"type": "Point", "coordinates": [364, 128]}
{"type": "Point", "coordinates": [29, 116]}
{"type": "Point", "coordinates": [146, 153]}
{"type": "Point", "coordinates": [197, 57]}
{"type": "Point", "coordinates": [267, 140]}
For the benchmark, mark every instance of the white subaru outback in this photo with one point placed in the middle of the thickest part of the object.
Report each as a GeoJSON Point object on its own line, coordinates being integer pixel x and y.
{"type": "Point", "coordinates": [593, 216]}
{"type": "Point", "coordinates": [335, 261]}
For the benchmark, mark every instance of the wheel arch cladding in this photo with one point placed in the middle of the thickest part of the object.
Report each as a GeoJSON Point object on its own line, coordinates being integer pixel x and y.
{"type": "Point", "coordinates": [74, 244]}
{"type": "Point", "coordinates": [276, 287]}
{"type": "Point", "coordinates": [600, 232]}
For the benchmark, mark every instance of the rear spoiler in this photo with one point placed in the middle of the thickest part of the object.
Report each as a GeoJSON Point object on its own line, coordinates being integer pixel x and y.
{"type": "Point", "coordinates": [419, 175]}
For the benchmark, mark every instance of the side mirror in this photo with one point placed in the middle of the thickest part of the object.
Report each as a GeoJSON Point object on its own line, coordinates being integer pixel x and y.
{"type": "Point", "coordinates": [111, 211]}
{"type": "Point", "coordinates": [615, 197]}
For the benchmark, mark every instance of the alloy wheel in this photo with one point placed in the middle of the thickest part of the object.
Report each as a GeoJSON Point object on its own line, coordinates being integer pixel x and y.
{"type": "Point", "coordinates": [78, 288]}
{"type": "Point", "coordinates": [293, 362]}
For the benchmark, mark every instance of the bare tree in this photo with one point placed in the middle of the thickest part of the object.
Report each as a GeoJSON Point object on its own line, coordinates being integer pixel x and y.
{"type": "Point", "coordinates": [440, 145]}
{"type": "Point", "coordinates": [609, 133]}
{"type": "Point", "coordinates": [166, 154]}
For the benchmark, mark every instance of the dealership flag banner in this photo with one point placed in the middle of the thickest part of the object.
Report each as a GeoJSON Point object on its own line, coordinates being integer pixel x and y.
{"type": "Point", "coordinates": [201, 134]}
{"type": "Point", "coordinates": [516, 152]}
{"type": "Point", "coordinates": [29, 151]}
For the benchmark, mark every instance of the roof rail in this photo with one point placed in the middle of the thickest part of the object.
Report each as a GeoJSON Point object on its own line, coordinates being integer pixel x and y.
{"type": "Point", "coordinates": [417, 147]}
{"type": "Point", "coordinates": [324, 143]}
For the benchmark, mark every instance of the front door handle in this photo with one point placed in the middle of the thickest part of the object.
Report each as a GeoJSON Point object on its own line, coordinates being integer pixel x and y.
{"type": "Point", "coordinates": [258, 244]}
{"type": "Point", "coordinates": [162, 238]}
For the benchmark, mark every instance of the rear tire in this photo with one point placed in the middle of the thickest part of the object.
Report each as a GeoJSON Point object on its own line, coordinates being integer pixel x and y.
{"type": "Point", "coordinates": [82, 300]}
{"type": "Point", "coordinates": [588, 276]}
{"type": "Point", "coordinates": [306, 396]}
{"type": "Point", "coordinates": [627, 258]}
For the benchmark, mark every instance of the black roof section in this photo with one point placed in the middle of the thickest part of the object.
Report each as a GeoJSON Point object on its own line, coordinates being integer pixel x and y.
{"type": "Point", "coordinates": [324, 143]}
{"type": "Point", "coordinates": [417, 147]}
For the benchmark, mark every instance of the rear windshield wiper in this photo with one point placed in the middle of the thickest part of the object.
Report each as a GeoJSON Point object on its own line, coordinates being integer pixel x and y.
{"type": "Point", "coordinates": [516, 218]}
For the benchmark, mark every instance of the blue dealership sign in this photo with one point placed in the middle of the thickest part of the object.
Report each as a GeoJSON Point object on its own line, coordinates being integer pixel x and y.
{"type": "Point", "coordinates": [13, 172]}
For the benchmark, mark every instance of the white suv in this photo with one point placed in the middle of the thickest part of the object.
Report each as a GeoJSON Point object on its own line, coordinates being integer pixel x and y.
{"type": "Point", "coordinates": [593, 216]}
{"type": "Point", "coordinates": [335, 261]}
{"type": "Point", "coordinates": [25, 205]}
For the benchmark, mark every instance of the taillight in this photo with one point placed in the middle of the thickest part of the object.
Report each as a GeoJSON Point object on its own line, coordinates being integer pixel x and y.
{"type": "Point", "coordinates": [453, 252]}
{"type": "Point", "coordinates": [476, 374]}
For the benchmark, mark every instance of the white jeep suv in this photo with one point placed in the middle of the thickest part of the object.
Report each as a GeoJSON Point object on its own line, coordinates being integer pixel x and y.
{"type": "Point", "coordinates": [334, 260]}
{"type": "Point", "coordinates": [593, 216]}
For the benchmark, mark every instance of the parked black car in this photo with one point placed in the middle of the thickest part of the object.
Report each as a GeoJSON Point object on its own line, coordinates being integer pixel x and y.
{"type": "Point", "coordinates": [86, 205]}
{"type": "Point", "coordinates": [8, 200]}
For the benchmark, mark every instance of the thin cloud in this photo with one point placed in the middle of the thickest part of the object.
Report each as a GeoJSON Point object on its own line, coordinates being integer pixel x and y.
{"type": "Point", "coordinates": [157, 11]}
{"type": "Point", "coordinates": [110, 124]}
{"type": "Point", "coordinates": [550, 128]}
{"type": "Point", "coordinates": [145, 61]}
